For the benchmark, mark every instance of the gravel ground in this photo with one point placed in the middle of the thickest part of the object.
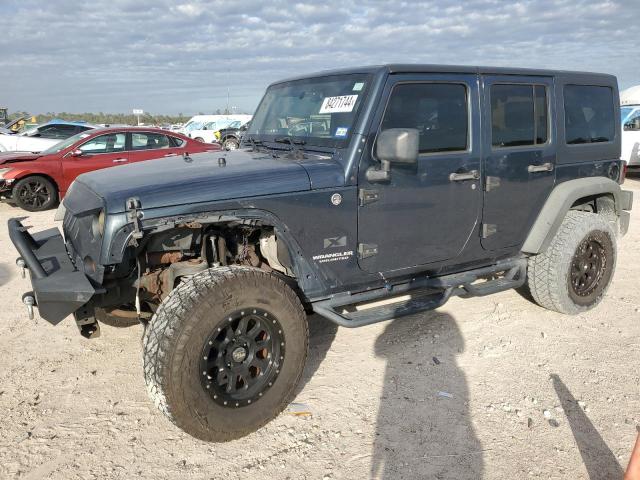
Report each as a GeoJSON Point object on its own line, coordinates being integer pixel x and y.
{"type": "Point", "coordinates": [490, 387]}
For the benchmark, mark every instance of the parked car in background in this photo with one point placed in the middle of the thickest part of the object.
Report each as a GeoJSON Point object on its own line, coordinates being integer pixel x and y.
{"type": "Point", "coordinates": [231, 136]}
{"type": "Point", "coordinates": [41, 137]}
{"type": "Point", "coordinates": [630, 119]}
{"type": "Point", "coordinates": [203, 127]}
{"type": "Point", "coordinates": [36, 181]}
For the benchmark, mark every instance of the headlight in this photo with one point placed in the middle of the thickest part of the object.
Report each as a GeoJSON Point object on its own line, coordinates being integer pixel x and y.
{"type": "Point", "coordinates": [3, 171]}
{"type": "Point", "coordinates": [97, 226]}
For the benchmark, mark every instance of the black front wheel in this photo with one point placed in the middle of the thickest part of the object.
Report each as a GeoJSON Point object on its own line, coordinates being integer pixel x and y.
{"type": "Point", "coordinates": [35, 194]}
{"type": "Point", "coordinates": [224, 352]}
{"type": "Point", "coordinates": [231, 144]}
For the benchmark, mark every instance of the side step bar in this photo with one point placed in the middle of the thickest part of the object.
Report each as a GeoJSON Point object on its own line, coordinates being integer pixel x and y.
{"type": "Point", "coordinates": [419, 294]}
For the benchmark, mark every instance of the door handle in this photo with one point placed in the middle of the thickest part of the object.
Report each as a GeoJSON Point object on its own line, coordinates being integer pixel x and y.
{"type": "Point", "coordinates": [461, 177]}
{"type": "Point", "coordinates": [119, 160]}
{"type": "Point", "coordinates": [545, 167]}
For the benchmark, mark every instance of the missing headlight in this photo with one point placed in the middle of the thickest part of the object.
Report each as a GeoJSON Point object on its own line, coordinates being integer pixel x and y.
{"type": "Point", "coordinates": [97, 225]}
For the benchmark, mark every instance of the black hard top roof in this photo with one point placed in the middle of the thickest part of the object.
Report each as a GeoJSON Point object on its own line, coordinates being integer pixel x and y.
{"type": "Point", "coordinates": [428, 68]}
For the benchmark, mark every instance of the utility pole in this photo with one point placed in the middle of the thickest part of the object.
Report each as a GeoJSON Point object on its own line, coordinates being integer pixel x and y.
{"type": "Point", "coordinates": [228, 89]}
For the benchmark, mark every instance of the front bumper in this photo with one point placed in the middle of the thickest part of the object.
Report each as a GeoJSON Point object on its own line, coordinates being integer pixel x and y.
{"type": "Point", "coordinates": [58, 286]}
{"type": "Point", "coordinates": [6, 187]}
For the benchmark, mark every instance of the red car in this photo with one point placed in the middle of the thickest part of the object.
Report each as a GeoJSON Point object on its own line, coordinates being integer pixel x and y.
{"type": "Point", "coordinates": [36, 181]}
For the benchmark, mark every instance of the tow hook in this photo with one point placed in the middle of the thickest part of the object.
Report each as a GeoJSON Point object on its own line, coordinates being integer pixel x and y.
{"type": "Point", "coordinates": [30, 301]}
{"type": "Point", "coordinates": [22, 266]}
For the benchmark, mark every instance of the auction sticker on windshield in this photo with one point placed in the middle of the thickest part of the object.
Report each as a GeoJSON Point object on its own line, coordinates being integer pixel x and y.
{"type": "Point", "coordinates": [341, 104]}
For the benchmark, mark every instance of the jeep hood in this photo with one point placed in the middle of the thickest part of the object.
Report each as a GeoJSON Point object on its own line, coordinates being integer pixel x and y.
{"type": "Point", "coordinates": [202, 177]}
{"type": "Point", "coordinates": [13, 157]}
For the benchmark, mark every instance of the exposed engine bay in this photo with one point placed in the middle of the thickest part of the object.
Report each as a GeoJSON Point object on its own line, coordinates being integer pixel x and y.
{"type": "Point", "coordinates": [191, 248]}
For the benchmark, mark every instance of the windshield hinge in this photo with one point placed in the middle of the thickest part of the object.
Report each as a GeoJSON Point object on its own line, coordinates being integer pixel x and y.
{"type": "Point", "coordinates": [134, 216]}
{"type": "Point", "coordinates": [366, 250]}
{"type": "Point", "coordinates": [368, 196]}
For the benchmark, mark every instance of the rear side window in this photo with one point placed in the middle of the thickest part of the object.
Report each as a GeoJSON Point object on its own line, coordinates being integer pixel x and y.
{"type": "Point", "coordinates": [588, 114]}
{"type": "Point", "coordinates": [177, 142]}
{"type": "Point", "coordinates": [149, 141]}
{"type": "Point", "coordinates": [519, 115]}
{"type": "Point", "coordinates": [437, 110]}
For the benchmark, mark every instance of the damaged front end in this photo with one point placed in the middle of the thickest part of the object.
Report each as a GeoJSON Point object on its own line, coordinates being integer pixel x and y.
{"type": "Point", "coordinates": [121, 266]}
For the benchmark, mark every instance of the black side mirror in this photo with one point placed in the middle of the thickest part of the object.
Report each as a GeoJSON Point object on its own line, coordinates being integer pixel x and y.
{"type": "Point", "coordinates": [394, 145]}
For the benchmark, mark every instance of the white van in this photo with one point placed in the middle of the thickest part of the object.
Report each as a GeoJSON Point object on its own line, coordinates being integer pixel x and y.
{"type": "Point", "coordinates": [203, 127]}
{"type": "Point", "coordinates": [630, 116]}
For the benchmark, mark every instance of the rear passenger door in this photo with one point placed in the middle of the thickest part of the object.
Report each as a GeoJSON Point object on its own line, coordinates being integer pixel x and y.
{"type": "Point", "coordinates": [150, 145]}
{"type": "Point", "coordinates": [519, 156]}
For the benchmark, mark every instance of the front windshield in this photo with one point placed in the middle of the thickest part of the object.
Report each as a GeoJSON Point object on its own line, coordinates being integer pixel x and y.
{"type": "Point", "coordinates": [193, 125]}
{"type": "Point", "coordinates": [30, 132]}
{"type": "Point", "coordinates": [58, 147]}
{"type": "Point", "coordinates": [319, 111]}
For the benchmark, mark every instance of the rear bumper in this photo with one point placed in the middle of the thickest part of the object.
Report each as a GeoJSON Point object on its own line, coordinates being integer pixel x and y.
{"type": "Point", "coordinates": [59, 288]}
{"type": "Point", "coordinates": [626, 204]}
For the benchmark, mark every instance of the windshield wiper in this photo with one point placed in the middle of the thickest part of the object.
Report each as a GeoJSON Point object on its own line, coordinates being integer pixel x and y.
{"type": "Point", "coordinates": [290, 141]}
{"type": "Point", "coordinates": [295, 152]}
{"type": "Point", "coordinates": [255, 143]}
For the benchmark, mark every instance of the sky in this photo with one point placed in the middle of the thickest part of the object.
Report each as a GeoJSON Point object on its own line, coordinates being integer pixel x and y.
{"type": "Point", "coordinates": [184, 56]}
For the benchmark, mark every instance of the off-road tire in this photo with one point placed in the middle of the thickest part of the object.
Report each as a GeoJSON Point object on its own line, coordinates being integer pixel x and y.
{"type": "Point", "coordinates": [24, 196]}
{"type": "Point", "coordinates": [549, 276]}
{"type": "Point", "coordinates": [231, 144]}
{"type": "Point", "coordinates": [175, 336]}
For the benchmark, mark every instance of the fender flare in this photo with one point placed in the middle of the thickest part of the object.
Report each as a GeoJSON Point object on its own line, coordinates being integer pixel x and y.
{"type": "Point", "coordinates": [310, 279]}
{"type": "Point", "coordinates": [561, 200]}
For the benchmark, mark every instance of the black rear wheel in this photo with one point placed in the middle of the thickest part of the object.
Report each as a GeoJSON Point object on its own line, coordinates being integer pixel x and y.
{"type": "Point", "coordinates": [573, 274]}
{"type": "Point", "coordinates": [35, 193]}
{"type": "Point", "coordinates": [224, 352]}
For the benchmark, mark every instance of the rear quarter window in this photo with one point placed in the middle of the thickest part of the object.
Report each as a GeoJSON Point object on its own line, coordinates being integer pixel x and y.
{"type": "Point", "coordinates": [588, 114]}
{"type": "Point", "coordinates": [177, 142]}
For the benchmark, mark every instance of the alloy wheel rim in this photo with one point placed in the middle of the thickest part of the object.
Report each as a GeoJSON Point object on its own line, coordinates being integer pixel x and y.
{"type": "Point", "coordinates": [242, 358]}
{"type": "Point", "coordinates": [34, 194]}
{"type": "Point", "coordinates": [588, 266]}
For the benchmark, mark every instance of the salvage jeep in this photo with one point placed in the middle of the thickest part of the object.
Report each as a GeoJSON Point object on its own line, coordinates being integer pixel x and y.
{"type": "Point", "coordinates": [362, 195]}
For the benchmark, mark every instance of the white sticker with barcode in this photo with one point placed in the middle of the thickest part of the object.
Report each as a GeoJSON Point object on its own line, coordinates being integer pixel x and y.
{"type": "Point", "coordinates": [341, 104]}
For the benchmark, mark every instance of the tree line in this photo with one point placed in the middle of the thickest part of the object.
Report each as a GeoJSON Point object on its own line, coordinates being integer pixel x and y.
{"type": "Point", "coordinates": [112, 118]}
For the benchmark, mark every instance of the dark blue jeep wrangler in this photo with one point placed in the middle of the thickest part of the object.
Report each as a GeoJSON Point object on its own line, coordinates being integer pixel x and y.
{"type": "Point", "coordinates": [363, 195]}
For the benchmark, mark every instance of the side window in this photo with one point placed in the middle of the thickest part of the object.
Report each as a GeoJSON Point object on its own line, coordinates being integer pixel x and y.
{"type": "Point", "coordinates": [519, 115]}
{"type": "Point", "coordinates": [49, 131]}
{"type": "Point", "coordinates": [437, 110]}
{"type": "Point", "coordinates": [113, 142]}
{"type": "Point", "coordinates": [149, 141]}
{"type": "Point", "coordinates": [177, 142]}
{"type": "Point", "coordinates": [633, 122]}
{"type": "Point", "coordinates": [588, 114]}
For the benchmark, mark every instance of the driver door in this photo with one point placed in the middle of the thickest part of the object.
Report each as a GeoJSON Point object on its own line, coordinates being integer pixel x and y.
{"type": "Point", "coordinates": [428, 211]}
{"type": "Point", "coordinates": [103, 151]}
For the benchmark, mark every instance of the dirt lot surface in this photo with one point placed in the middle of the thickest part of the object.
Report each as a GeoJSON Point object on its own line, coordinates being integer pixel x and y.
{"type": "Point", "coordinates": [491, 387]}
